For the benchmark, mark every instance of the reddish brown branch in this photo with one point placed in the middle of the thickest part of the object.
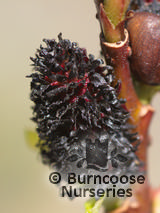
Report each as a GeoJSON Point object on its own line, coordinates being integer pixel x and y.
{"type": "Point", "coordinates": [117, 54]}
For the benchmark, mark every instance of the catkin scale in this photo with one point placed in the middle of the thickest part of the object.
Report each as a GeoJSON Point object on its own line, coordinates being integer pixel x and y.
{"type": "Point", "coordinates": [144, 32]}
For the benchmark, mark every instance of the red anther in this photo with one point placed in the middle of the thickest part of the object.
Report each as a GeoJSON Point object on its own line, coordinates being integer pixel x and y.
{"type": "Point", "coordinates": [102, 115]}
{"type": "Point", "coordinates": [82, 91]}
{"type": "Point", "coordinates": [47, 79]}
{"type": "Point", "coordinates": [85, 59]}
{"type": "Point", "coordinates": [62, 65]}
{"type": "Point", "coordinates": [87, 100]}
{"type": "Point", "coordinates": [74, 99]}
{"type": "Point", "coordinates": [66, 74]}
{"type": "Point", "coordinates": [55, 83]}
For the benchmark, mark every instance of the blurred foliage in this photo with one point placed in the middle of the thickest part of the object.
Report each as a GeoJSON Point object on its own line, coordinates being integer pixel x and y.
{"type": "Point", "coordinates": [93, 205]}
{"type": "Point", "coordinates": [145, 92]}
{"type": "Point", "coordinates": [31, 138]}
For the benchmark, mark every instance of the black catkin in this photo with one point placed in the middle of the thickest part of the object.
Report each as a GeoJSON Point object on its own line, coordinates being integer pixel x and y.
{"type": "Point", "coordinates": [80, 119]}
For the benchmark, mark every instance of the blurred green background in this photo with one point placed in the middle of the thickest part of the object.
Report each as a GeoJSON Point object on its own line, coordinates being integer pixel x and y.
{"type": "Point", "coordinates": [24, 184]}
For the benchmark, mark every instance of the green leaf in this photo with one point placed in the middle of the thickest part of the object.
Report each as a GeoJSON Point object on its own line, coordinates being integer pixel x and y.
{"type": "Point", "coordinates": [109, 204]}
{"type": "Point", "coordinates": [93, 205]}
